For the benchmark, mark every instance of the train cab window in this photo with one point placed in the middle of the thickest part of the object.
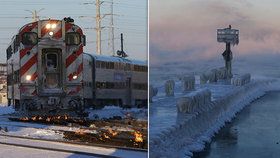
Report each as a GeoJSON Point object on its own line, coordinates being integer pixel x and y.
{"type": "Point", "coordinates": [72, 38]}
{"type": "Point", "coordinates": [51, 63]}
{"type": "Point", "coordinates": [9, 52]}
{"type": "Point", "coordinates": [29, 38]}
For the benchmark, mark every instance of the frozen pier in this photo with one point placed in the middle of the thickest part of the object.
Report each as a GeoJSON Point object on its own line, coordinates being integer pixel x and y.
{"type": "Point", "coordinates": [176, 134]}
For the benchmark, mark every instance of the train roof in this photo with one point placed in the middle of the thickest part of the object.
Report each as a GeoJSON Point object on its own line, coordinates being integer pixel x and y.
{"type": "Point", "coordinates": [118, 59]}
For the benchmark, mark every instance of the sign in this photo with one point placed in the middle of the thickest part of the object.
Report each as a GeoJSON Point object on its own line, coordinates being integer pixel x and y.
{"type": "Point", "coordinates": [228, 35]}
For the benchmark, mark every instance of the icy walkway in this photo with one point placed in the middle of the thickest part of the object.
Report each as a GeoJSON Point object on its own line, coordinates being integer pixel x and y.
{"type": "Point", "coordinates": [163, 111]}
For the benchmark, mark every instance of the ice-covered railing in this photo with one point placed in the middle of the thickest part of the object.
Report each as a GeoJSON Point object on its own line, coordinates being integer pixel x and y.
{"type": "Point", "coordinates": [190, 135]}
{"type": "Point", "coordinates": [241, 79]}
{"type": "Point", "coordinates": [213, 75]}
{"type": "Point", "coordinates": [194, 102]}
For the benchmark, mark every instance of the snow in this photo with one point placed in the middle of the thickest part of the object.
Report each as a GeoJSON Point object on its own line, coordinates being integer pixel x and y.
{"type": "Point", "coordinates": [6, 109]}
{"type": "Point", "coordinates": [20, 152]}
{"type": "Point", "coordinates": [116, 111]}
{"type": "Point", "coordinates": [79, 148]}
{"type": "Point", "coordinates": [175, 134]}
{"type": "Point", "coordinates": [117, 59]}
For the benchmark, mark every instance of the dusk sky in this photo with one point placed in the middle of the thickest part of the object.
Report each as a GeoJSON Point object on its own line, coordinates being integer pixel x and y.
{"type": "Point", "coordinates": [131, 19]}
{"type": "Point", "coordinates": [185, 30]}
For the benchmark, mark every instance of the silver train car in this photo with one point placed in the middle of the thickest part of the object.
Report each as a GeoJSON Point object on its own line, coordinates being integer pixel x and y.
{"type": "Point", "coordinates": [48, 71]}
{"type": "Point", "coordinates": [115, 80]}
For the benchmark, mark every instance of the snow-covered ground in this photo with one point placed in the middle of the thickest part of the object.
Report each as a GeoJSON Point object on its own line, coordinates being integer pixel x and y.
{"type": "Point", "coordinates": [4, 109]}
{"type": "Point", "coordinates": [55, 132]}
{"type": "Point", "coordinates": [115, 111]}
{"type": "Point", "coordinates": [62, 146]}
{"type": "Point", "coordinates": [175, 134]}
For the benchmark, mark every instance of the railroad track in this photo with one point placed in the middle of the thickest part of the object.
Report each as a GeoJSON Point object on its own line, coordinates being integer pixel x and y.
{"type": "Point", "coordinates": [75, 143]}
{"type": "Point", "coordinates": [66, 145]}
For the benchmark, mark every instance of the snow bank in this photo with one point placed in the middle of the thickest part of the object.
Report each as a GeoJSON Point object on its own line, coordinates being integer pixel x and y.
{"type": "Point", "coordinates": [6, 110]}
{"type": "Point", "coordinates": [194, 102]}
{"type": "Point", "coordinates": [169, 87]}
{"type": "Point", "coordinates": [191, 135]}
{"type": "Point", "coordinates": [115, 111]}
{"type": "Point", "coordinates": [188, 83]}
{"type": "Point", "coordinates": [241, 80]}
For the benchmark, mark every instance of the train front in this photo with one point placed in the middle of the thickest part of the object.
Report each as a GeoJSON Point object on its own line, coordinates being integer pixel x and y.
{"type": "Point", "coordinates": [51, 66]}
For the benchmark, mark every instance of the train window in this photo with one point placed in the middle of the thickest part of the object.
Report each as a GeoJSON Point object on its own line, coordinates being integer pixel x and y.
{"type": "Point", "coordinates": [127, 66]}
{"type": "Point", "coordinates": [98, 64]}
{"type": "Point", "coordinates": [72, 38]}
{"type": "Point", "coordinates": [140, 86]}
{"type": "Point", "coordinates": [9, 52]}
{"type": "Point", "coordinates": [29, 38]}
{"type": "Point", "coordinates": [103, 65]}
{"type": "Point", "coordinates": [112, 65]}
{"type": "Point", "coordinates": [51, 61]}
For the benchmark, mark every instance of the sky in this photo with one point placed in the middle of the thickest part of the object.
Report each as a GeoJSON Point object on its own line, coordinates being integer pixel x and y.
{"type": "Point", "coordinates": [130, 19]}
{"type": "Point", "coordinates": [185, 30]}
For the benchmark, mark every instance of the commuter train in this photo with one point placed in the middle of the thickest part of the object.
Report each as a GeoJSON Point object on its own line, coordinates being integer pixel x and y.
{"type": "Point", "coordinates": [49, 71]}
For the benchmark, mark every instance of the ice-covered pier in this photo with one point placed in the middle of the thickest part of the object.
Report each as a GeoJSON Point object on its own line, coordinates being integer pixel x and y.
{"type": "Point", "coordinates": [178, 134]}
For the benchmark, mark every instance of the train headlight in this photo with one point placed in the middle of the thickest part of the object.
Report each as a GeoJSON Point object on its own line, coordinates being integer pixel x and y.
{"type": "Point", "coordinates": [75, 77]}
{"type": "Point", "coordinates": [28, 77]}
{"type": "Point", "coordinates": [53, 26]}
{"type": "Point", "coordinates": [51, 33]}
{"type": "Point", "coordinates": [48, 26]}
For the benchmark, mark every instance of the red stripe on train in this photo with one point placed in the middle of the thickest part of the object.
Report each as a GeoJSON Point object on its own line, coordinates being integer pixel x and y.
{"type": "Point", "coordinates": [28, 65]}
{"type": "Point", "coordinates": [74, 56]}
{"type": "Point", "coordinates": [34, 76]}
{"type": "Point", "coordinates": [68, 26]}
{"type": "Point", "coordinates": [44, 31]}
{"type": "Point", "coordinates": [58, 34]}
{"type": "Point", "coordinates": [34, 92]}
{"type": "Point", "coordinates": [79, 70]}
{"type": "Point", "coordinates": [77, 90]}
{"type": "Point", "coordinates": [24, 51]}
{"type": "Point", "coordinates": [28, 28]}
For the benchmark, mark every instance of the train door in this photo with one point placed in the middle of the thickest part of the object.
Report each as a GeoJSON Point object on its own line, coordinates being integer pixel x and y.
{"type": "Point", "coordinates": [51, 69]}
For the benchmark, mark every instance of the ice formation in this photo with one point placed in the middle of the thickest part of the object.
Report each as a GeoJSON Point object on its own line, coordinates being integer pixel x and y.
{"type": "Point", "coordinates": [169, 87]}
{"type": "Point", "coordinates": [241, 79]}
{"type": "Point", "coordinates": [190, 135]}
{"type": "Point", "coordinates": [194, 101]}
{"type": "Point", "coordinates": [152, 92]}
{"type": "Point", "coordinates": [213, 75]}
{"type": "Point", "coordinates": [188, 83]}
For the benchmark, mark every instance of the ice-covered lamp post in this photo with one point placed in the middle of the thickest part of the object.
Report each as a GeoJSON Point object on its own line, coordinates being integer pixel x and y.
{"type": "Point", "coordinates": [230, 37]}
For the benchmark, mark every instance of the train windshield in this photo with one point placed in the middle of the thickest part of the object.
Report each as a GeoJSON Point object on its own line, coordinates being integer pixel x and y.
{"type": "Point", "coordinates": [51, 61]}
{"type": "Point", "coordinates": [29, 38]}
{"type": "Point", "coordinates": [72, 38]}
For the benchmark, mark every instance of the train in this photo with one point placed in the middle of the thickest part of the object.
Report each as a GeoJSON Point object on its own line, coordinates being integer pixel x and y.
{"type": "Point", "coordinates": [49, 72]}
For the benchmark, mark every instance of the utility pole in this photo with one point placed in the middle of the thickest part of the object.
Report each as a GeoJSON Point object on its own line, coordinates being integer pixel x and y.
{"type": "Point", "coordinates": [98, 27]}
{"type": "Point", "coordinates": [111, 35]}
{"type": "Point", "coordinates": [35, 16]}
